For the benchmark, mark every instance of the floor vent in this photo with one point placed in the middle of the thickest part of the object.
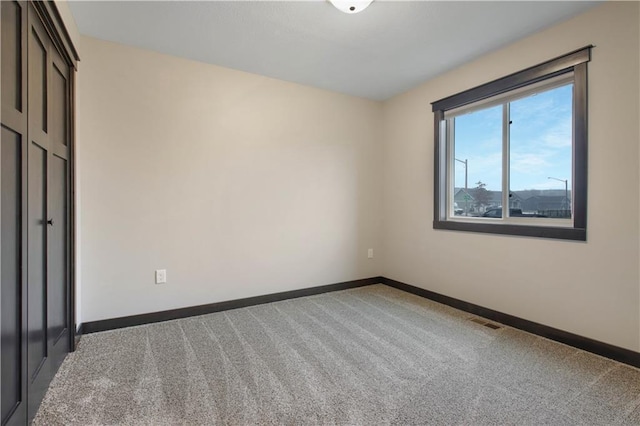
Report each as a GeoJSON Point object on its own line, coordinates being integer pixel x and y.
{"type": "Point", "coordinates": [492, 326]}
{"type": "Point", "coordinates": [484, 322]}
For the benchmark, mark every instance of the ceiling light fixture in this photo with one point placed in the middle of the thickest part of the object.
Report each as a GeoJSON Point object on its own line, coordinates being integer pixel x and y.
{"type": "Point", "coordinates": [351, 6]}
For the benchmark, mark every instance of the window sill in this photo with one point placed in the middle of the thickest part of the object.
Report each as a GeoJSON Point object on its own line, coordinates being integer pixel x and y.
{"type": "Point", "coordinates": [555, 232]}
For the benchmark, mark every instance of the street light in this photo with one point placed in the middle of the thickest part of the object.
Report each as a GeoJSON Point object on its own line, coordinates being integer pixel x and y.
{"type": "Point", "coordinates": [466, 192]}
{"type": "Point", "coordinates": [465, 172]}
{"type": "Point", "coordinates": [566, 190]}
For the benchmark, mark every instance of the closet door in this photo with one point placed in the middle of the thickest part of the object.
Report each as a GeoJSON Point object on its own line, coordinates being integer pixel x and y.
{"type": "Point", "coordinates": [47, 300]}
{"type": "Point", "coordinates": [58, 199]}
{"type": "Point", "coordinates": [13, 143]}
{"type": "Point", "coordinates": [36, 316]}
{"type": "Point", "coordinates": [38, 368]}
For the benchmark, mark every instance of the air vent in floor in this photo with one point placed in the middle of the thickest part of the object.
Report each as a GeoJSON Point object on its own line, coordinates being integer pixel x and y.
{"type": "Point", "coordinates": [484, 322]}
{"type": "Point", "coordinates": [492, 326]}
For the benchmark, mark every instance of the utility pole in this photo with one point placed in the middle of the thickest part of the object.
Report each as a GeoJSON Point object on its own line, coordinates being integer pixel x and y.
{"type": "Point", "coordinates": [466, 186]}
{"type": "Point", "coordinates": [465, 173]}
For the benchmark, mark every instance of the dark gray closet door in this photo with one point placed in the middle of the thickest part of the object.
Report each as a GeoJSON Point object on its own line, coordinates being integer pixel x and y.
{"type": "Point", "coordinates": [35, 255]}
{"type": "Point", "coordinates": [58, 260]}
{"type": "Point", "coordinates": [38, 368]}
{"type": "Point", "coordinates": [48, 282]}
{"type": "Point", "coordinates": [13, 240]}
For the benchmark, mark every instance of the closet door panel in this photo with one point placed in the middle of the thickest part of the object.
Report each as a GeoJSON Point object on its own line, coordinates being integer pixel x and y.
{"type": "Point", "coordinates": [13, 140]}
{"type": "Point", "coordinates": [58, 257]}
{"type": "Point", "coordinates": [37, 82]}
{"type": "Point", "coordinates": [11, 56]}
{"type": "Point", "coordinates": [37, 300]}
{"type": "Point", "coordinates": [39, 372]}
{"type": "Point", "coordinates": [59, 103]}
{"type": "Point", "coordinates": [11, 268]}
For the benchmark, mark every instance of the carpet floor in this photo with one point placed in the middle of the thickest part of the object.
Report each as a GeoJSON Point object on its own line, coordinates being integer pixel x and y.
{"type": "Point", "coordinates": [366, 356]}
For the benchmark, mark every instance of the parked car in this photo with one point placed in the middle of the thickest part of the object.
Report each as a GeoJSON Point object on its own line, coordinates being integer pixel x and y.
{"type": "Point", "coordinates": [497, 213]}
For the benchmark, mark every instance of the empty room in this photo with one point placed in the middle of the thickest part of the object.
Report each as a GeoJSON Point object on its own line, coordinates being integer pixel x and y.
{"type": "Point", "coordinates": [320, 212]}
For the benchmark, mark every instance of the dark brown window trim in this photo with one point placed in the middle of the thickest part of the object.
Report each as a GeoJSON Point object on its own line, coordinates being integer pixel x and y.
{"type": "Point", "coordinates": [543, 71]}
{"type": "Point", "coordinates": [575, 234]}
{"type": "Point", "coordinates": [575, 61]}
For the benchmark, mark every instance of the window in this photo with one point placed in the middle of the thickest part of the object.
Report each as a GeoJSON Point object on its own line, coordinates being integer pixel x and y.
{"type": "Point", "coordinates": [511, 155]}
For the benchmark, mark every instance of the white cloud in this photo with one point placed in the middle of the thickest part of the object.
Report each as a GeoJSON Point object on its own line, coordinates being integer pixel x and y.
{"type": "Point", "coordinates": [560, 135]}
{"type": "Point", "coordinates": [529, 163]}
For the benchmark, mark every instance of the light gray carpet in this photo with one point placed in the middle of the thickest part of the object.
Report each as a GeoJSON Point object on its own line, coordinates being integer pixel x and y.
{"type": "Point", "coordinates": [367, 356]}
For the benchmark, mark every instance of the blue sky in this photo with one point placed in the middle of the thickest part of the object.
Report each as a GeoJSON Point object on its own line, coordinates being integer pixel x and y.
{"type": "Point", "coordinates": [540, 142]}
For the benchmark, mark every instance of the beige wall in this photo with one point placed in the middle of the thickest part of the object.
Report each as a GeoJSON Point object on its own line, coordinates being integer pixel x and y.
{"type": "Point", "coordinates": [238, 185]}
{"type": "Point", "coordinates": [591, 288]}
{"type": "Point", "coordinates": [241, 185]}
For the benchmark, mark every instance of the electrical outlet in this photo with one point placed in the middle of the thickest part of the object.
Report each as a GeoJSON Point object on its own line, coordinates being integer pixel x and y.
{"type": "Point", "coordinates": [161, 276]}
{"type": "Point", "coordinates": [370, 253]}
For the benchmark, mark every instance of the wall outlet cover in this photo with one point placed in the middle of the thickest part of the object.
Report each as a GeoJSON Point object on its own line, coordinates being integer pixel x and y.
{"type": "Point", "coordinates": [161, 276]}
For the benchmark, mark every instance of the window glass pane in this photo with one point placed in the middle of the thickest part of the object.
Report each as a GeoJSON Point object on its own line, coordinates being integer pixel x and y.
{"type": "Point", "coordinates": [540, 154]}
{"type": "Point", "coordinates": [478, 162]}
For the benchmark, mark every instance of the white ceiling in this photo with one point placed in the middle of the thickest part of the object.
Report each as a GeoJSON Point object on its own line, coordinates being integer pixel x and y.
{"type": "Point", "coordinates": [387, 49]}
